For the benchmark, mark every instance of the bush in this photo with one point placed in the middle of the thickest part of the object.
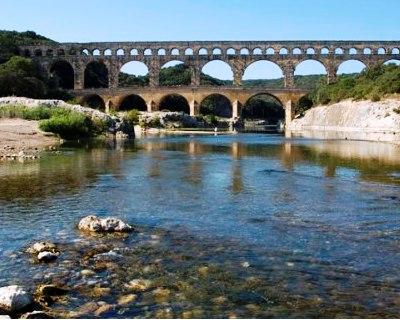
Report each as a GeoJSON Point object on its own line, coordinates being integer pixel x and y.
{"type": "Point", "coordinates": [68, 126]}
{"type": "Point", "coordinates": [132, 117]}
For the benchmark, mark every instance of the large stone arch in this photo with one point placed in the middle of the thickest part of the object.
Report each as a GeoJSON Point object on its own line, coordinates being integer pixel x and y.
{"type": "Point", "coordinates": [131, 101]}
{"type": "Point", "coordinates": [179, 68]}
{"type": "Point", "coordinates": [174, 102]}
{"type": "Point", "coordinates": [216, 104]}
{"type": "Point", "coordinates": [96, 75]}
{"type": "Point", "coordinates": [221, 58]}
{"type": "Point", "coordinates": [133, 72]}
{"type": "Point", "coordinates": [263, 106]}
{"type": "Point", "coordinates": [94, 101]}
{"type": "Point", "coordinates": [345, 62]}
{"type": "Point", "coordinates": [310, 63]}
{"type": "Point", "coordinates": [275, 70]}
{"type": "Point", "coordinates": [63, 73]}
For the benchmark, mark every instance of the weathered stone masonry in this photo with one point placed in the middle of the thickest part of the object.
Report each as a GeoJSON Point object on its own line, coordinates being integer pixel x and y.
{"type": "Point", "coordinates": [195, 54]}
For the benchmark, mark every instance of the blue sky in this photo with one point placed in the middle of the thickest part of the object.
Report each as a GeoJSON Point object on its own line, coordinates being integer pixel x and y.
{"type": "Point", "coordinates": [137, 20]}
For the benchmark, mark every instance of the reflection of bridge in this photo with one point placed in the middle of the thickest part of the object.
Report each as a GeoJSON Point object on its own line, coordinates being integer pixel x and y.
{"type": "Point", "coordinates": [74, 59]}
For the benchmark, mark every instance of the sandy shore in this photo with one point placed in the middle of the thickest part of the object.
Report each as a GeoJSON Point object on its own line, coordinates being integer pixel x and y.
{"type": "Point", "coordinates": [23, 139]}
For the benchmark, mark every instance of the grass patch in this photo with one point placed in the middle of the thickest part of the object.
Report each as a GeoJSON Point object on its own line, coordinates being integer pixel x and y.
{"type": "Point", "coordinates": [68, 126]}
{"type": "Point", "coordinates": [66, 123]}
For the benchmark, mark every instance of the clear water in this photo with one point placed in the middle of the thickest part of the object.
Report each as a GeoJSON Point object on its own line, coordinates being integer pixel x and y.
{"type": "Point", "coordinates": [314, 225]}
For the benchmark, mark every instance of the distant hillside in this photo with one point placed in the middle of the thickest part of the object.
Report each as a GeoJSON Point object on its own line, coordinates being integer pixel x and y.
{"type": "Point", "coordinates": [180, 75]}
{"type": "Point", "coordinates": [10, 40]}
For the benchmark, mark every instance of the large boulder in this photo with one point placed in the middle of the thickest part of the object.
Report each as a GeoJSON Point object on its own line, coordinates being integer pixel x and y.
{"type": "Point", "coordinates": [14, 299]}
{"type": "Point", "coordinates": [109, 224]}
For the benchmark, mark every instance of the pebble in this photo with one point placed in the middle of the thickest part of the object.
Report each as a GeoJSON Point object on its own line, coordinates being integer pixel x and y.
{"type": "Point", "coordinates": [138, 285]}
{"type": "Point", "coordinates": [126, 299]}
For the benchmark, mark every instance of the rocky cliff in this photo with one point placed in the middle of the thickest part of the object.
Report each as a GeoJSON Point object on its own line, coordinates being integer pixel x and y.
{"type": "Point", "coordinates": [359, 120]}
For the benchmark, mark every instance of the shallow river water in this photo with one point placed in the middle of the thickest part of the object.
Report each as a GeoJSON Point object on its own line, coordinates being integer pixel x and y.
{"type": "Point", "coordinates": [227, 226]}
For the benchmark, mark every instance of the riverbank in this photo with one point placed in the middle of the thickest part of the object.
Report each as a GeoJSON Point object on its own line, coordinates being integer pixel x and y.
{"type": "Point", "coordinates": [352, 120]}
{"type": "Point", "coordinates": [23, 139]}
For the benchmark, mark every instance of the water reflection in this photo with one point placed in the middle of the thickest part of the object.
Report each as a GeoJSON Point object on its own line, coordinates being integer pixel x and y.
{"type": "Point", "coordinates": [315, 222]}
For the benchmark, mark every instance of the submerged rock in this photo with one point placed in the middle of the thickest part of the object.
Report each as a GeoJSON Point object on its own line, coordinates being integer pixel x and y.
{"type": "Point", "coordinates": [14, 298]}
{"type": "Point", "coordinates": [36, 315]}
{"type": "Point", "coordinates": [109, 224]}
{"type": "Point", "coordinates": [138, 285]}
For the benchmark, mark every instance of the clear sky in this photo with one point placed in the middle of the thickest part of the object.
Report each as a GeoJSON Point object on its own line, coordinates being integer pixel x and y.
{"type": "Point", "coordinates": [138, 20]}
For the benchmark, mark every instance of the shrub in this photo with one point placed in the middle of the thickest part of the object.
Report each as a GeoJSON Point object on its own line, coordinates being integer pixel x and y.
{"type": "Point", "coordinates": [38, 113]}
{"type": "Point", "coordinates": [69, 126]}
{"type": "Point", "coordinates": [132, 117]}
{"type": "Point", "coordinates": [211, 119]}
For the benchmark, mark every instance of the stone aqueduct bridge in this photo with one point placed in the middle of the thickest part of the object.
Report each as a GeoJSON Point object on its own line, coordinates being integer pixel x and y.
{"type": "Point", "coordinates": [196, 54]}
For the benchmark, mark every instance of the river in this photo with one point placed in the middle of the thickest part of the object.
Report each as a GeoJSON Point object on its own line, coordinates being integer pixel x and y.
{"type": "Point", "coordinates": [240, 225]}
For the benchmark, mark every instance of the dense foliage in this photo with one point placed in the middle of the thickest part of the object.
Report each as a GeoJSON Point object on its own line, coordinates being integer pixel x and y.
{"type": "Point", "coordinates": [20, 76]}
{"type": "Point", "coordinates": [10, 40]}
{"type": "Point", "coordinates": [372, 84]}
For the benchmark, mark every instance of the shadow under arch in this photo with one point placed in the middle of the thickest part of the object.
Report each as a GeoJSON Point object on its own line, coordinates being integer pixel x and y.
{"type": "Point", "coordinates": [263, 106]}
{"type": "Point", "coordinates": [63, 73]}
{"type": "Point", "coordinates": [174, 102]}
{"type": "Point", "coordinates": [93, 101]}
{"type": "Point", "coordinates": [175, 73]}
{"type": "Point", "coordinates": [96, 75]}
{"type": "Point", "coordinates": [216, 104]}
{"type": "Point", "coordinates": [132, 101]}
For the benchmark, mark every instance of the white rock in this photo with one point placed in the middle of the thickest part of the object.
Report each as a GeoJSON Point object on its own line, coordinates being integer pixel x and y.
{"type": "Point", "coordinates": [14, 298]}
{"type": "Point", "coordinates": [90, 223]}
{"type": "Point", "coordinates": [47, 256]}
{"type": "Point", "coordinates": [42, 246]}
{"type": "Point", "coordinates": [109, 224]}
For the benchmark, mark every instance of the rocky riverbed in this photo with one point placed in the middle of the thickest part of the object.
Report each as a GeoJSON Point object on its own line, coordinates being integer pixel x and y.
{"type": "Point", "coordinates": [22, 139]}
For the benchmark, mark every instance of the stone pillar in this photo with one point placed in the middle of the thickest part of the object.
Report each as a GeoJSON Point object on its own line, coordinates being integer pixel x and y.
{"type": "Point", "coordinates": [113, 74]}
{"type": "Point", "coordinates": [150, 106]}
{"type": "Point", "coordinates": [289, 114]}
{"type": "Point", "coordinates": [194, 110]}
{"type": "Point", "coordinates": [331, 73]}
{"type": "Point", "coordinates": [288, 74]}
{"type": "Point", "coordinates": [238, 70]}
{"type": "Point", "coordinates": [236, 109]}
{"type": "Point", "coordinates": [154, 74]}
{"type": "Point", "coordinates": [195, 75]}
{"type": "Point", "coordinates": [79, 76]}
